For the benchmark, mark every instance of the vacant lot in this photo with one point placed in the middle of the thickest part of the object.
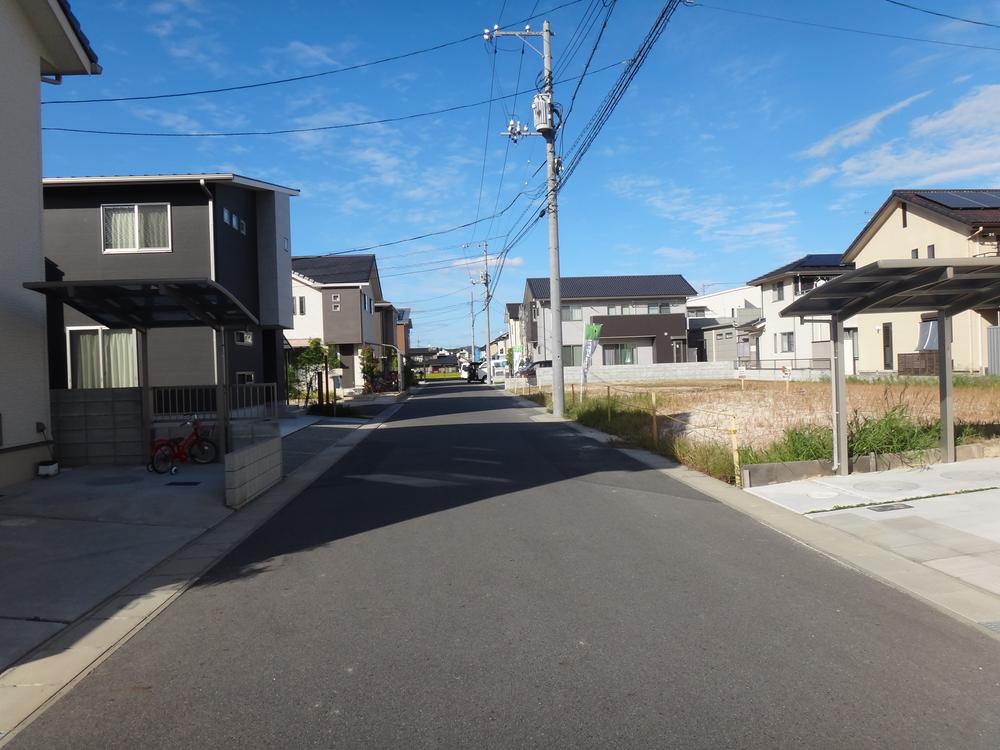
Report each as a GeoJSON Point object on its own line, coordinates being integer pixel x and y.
{"type": "Point", "coordinates": [763, 410]}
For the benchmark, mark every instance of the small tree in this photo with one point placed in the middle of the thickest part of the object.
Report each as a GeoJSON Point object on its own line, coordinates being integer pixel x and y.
{"type": "Point", "coordinates": [369, 368]}
{"type": "Point", "coordinates": [309, 362]}
{"type": "Point", "coordinates": [510, 361]}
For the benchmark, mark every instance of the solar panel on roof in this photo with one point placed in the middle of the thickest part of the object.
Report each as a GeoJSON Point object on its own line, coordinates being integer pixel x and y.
{"type": "Point", "coordinates": [966, 199]}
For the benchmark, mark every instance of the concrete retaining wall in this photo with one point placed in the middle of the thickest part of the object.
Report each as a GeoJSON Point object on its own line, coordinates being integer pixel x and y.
{"type": "Point", "coordinates": [98, 426]}
{"type": "Point", "coordinates": [756, 475]}
{"type": "Point", "coordinates": [670, 371]}
{"type": "Point", "coordinates": [252, 470]}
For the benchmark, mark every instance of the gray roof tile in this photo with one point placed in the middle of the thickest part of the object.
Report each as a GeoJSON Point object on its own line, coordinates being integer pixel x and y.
{"type": "Point", "coordinates": [605, 287]}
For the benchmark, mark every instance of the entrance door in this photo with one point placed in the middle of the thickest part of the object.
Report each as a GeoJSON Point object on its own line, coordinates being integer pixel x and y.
{"type": "Point", "coordinates": [679, 346]}
{"type": "Point", "coordinates": [888, 360]}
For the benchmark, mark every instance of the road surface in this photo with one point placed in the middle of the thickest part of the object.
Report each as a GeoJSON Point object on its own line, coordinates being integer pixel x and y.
{"type": "Point", "coordinates": [468, 577]}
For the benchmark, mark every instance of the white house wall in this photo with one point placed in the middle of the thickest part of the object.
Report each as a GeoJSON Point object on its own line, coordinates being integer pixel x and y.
{"type": "Point", "coordinates": [24, 387]}
{"type": "Point", "coordinates": [310, 325]}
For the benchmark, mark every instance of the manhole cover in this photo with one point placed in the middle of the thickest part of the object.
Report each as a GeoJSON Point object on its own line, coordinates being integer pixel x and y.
{"type": "Point", "coordinates": [974, 475]}
{"type": "Point", "coordinates": [823, 495]}
{"type": "Point", "coordinates": [183, 484]}
{"type": "Point", "coordinates": [885, 485]}
{"type": "Point", "coordinates": [109, 481]}
{"type": "Point", "coordinates": [889, 506]}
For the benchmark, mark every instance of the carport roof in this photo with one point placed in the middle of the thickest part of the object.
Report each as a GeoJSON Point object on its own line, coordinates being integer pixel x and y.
{"type": "Point", "coordinates": [949, 285]}
{"type": "Point", "coordinates": [150, 303]}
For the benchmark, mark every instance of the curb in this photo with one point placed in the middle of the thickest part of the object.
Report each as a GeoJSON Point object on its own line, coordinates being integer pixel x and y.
{"type": "Point", "coordinates": [54, 667]}
{"type": "Point", "coordinates": [961, 601]}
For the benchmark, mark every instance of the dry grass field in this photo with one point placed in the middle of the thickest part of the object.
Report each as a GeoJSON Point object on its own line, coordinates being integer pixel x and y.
{"type": "Point", "coordinates": [702, 410]}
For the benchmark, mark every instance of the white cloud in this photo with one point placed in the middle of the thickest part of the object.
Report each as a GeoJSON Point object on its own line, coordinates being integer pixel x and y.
{"type": "Point", "coordinates": [308, 55]}
{"type": "Point", "coordinates": [817, 175]}
{"type": "Point", "coordinates": [859, 131]}
{"type": "Point", "coordinates": [974, 113]}
{"type": "Point", "coordinates": [676, 254]}
{"type": "Point", "coordinates": [167, 120]}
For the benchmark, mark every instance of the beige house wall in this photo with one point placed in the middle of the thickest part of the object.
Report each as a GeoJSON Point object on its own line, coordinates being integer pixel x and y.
{"type": "Point", "coordinates": [891, 240]}
{"type": "Point", "coordinates": [24, 387]}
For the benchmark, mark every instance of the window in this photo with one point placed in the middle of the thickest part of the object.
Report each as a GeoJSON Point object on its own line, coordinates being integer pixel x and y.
{"type": "Point", "coordinates": [664, 308]}
{"type": "Point", "coordinates": [225, 216]}
{"type": "Point", "coordinates": [244, 377]}
{"type": "Point", "coordinates": [619, 354]}
{"type": "Point", "coordinates": [235, 223]}
{"type": "Point", "coordinates": [571, 312]}
{"type": "Point", "coordinates": [284, 244]}
{"type": "Point", "coordinates": [335, 297]}
{"type": "Point", "coordinates": [243, 338]}
{"type": "Point", "coordinates": [614, 310]}
{"type": "Point", "coordinates": [930, 251]}
{"type": "Point", "coordinates": [102, 358]}
{"type": "Point", "coordinates": [729, 334]}
{"type": "Point", "coordinates": [718, 336]}
{"type": "Point", "coordinates": [914, 253]}
{"type": "Point", "coordinates": [243, 228]}
{"type": "Point", "coordinates": [696, 312]}
{"type": "Point", "coordinates": [786, 342]}
{"type": "Point", "coordinates": [572, 356]}
{"type": "Point", "coordinates": [778, 292]}
{"type": "Point", "coordinates": [302, 305]}
{"type": "Point", "coordinates": [364, 301]}
{"type": "Point", "coordinates": [335, 307]}
{"type": "Point", "coordinates": [136, 228]}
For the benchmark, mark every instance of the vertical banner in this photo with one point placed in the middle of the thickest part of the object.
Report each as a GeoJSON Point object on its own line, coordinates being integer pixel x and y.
{"type": "Point", "coordinates": [591, 333]}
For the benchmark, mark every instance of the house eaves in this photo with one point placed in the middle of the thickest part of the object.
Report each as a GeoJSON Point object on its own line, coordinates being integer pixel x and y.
{"type": "Point", "coordinates": [158, 179]}
{"type": "Point", "coordinates": [814, 264]}
{"type": "Point", "coordinates": [66, 49]}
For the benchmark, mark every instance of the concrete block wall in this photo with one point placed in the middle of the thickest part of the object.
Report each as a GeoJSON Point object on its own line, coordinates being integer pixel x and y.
{"type": "Point", "coordinates": [252, 470]}
{"type": "Point", "coordinates": [669, 371]}
{"type": "Point", "coordinates": [98, 426]}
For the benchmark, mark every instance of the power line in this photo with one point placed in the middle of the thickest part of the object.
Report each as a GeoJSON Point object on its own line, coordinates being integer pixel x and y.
{"type": "Point", "coordinates": [586, 67]}
{"type": "Point", "coordinates": [287, 131]}
{"type": "Point", "coordinates": [846, 29]}
{"type": "Point", "coordinates": [293, 79]}
{"type": "Point", "coordinates": [943, 15]}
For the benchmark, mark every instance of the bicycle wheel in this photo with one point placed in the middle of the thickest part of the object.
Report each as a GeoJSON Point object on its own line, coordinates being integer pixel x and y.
{"type": "Point", "coordinates": [203, 451]}
{"type": "Point", "coordinates": [163, 458]}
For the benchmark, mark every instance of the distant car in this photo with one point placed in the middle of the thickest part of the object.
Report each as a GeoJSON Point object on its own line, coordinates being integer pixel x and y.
{"type": "Point", "coordinates": [481, 372]}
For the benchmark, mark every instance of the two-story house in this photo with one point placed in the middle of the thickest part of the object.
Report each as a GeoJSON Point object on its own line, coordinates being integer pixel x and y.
{"type": "Point", "coordinates": [228, 229]}
{"type": "Point", "coordinates": [404, 324]}
{"type": "Point", "coordinates": [515, 332]}
{"type": "Point", "coordinates": [335, 300]}
{"type": "Point", "coordinates": [917, 224]}
{"type": "Point", "coordinates": [643, 318]}
{"type": "Point", "coordinates": [722, 326]}
{"type": "Point", "coordinates": [793, 342]}
{"type": "Point", "coordinates": [37, 40]}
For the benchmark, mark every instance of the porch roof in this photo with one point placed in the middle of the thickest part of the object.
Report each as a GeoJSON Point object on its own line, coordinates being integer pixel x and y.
{"type": "Point", "coordinates": [150, 303]}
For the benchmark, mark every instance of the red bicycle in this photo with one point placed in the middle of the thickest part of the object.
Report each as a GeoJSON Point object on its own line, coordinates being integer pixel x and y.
{"type": "Point", "coordinates": [166, 453]}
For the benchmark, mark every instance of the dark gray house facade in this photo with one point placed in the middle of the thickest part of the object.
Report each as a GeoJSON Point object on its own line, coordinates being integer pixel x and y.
{"type": "Point", "coordinates": [643, 318]}
{"type": "Point", "coordinates": [225, 228]}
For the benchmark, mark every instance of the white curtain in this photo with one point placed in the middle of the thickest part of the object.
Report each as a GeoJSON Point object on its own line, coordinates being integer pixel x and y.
{"type": "Point", "coordinates": [120, 367]}
{"type": "Point", "coordinates": [119, 227]}
{"type": "Point", "coordinates": [153, 230]}
{"type": "Point", "coordinates": [85, 362]}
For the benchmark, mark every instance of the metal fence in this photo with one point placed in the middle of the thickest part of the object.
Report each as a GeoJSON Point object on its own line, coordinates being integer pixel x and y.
{"type": "Point", "coordinates": [246, 402]}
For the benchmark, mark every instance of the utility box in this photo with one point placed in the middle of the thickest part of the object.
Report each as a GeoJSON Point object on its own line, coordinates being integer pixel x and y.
{"type": "Point", "coordinates": [541, 108]}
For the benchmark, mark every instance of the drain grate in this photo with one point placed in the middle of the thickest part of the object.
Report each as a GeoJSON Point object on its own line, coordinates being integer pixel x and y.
{"type": "Point", "coordinates": [183, 484]}
{"type": "Point", "coordinates": [889, 506]}
{"type": "Point", "coordinates": [994, 626]}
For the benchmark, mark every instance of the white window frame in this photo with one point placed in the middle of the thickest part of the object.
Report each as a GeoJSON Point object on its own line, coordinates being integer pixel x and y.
{"type": "Point", "coordinates": [100, 350]}
{"type": "Point", "coordinates": [243, 338]}
{"type": "Point", "coordinates": [335, 298]}
{"type": "Point", "coordinates": [137, 249]}
{"type": "Point", "coordinates": [335, 307]}
{"type": "Point", "coordinates": [788, 336]}
{"type": "Point", "coordinates": [302, 304]}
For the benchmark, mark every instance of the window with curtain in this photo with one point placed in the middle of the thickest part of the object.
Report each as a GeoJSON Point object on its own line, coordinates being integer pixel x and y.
{"type": "Point", "coordinates": [619, 354]}
{"type": "Point", "coordinates": [136, 228]}
{"type": "Point", "coordinates": [572, 355]}
{"type": "Point", "coordinates": [102, 358]}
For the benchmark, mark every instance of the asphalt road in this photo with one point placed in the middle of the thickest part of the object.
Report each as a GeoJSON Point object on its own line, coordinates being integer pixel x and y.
{"type": "Point", "coordinates": [470, 578]}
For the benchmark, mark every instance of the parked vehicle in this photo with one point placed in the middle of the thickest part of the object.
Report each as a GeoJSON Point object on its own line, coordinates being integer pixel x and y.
{"type": "Point", "coordinates": [166, 453]}
{"type": "Point", "coordinates": [478, 370]}
{"type": "Point", "coordinates": [530, 370]}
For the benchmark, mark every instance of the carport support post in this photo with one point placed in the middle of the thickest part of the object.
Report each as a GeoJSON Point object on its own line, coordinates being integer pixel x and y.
{"type": "Point", "coordinates": [221, 393]}
{"type": "Point", "coordinates": [945, 388]}
{"type": "Point", "coordinates": [147, 392]}
{"type": "Point", "coordinates": [841, 459]}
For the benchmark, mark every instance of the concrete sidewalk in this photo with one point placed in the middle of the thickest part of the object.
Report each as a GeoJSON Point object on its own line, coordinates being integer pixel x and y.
{"type": "Point", "coordinates": [70, 542]}
{"type": "Point", "coordinates": [102, 566]}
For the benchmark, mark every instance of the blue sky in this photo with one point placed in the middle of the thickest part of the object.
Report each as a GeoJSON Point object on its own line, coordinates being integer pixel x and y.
{"type": "Point", "coordinates": [743, 142]}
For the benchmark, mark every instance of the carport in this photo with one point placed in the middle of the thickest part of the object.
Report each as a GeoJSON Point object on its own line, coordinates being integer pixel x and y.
{"type": "Point", "coordinates": [944, 286]}
{"type": "Point", "coordinates": [144, 304]}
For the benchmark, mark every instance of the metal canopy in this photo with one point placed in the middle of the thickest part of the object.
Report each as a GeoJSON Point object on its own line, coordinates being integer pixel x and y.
{"type": "Point", "coordinates": [946, 286]}
{"type": "Point", "coordinates": [150, 303]}
{"type": "Point", "coordinates": [951, 285]}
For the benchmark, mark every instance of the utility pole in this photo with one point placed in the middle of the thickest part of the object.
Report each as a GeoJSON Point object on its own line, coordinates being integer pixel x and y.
{"type": "Point", "coordinates": [486, 306]}
{"type": "Point", "coordinates": [544, 111]}
{"type": "Point", "coordinates": [472, 320]}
